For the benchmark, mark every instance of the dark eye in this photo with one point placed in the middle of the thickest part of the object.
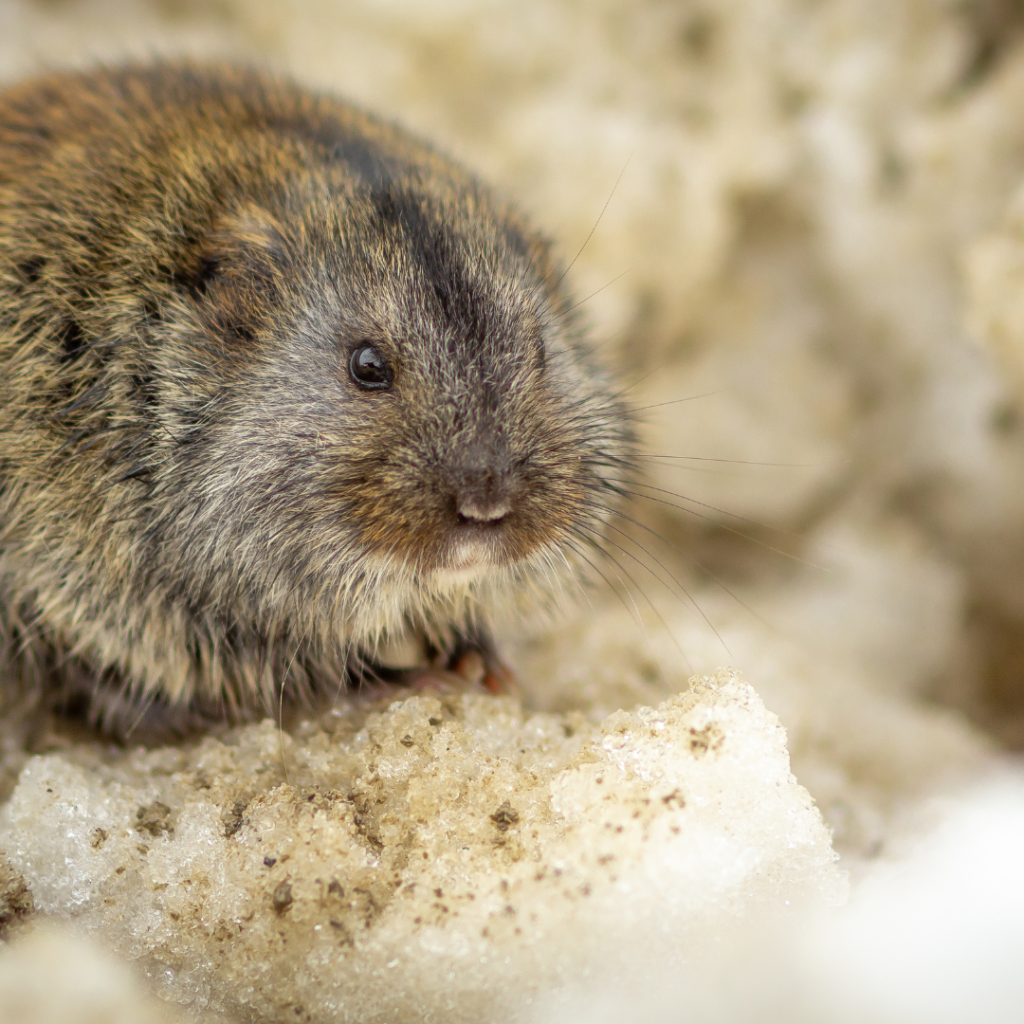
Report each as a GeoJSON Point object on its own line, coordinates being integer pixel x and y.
{"type": "Point", "coordinates": [369, 369]}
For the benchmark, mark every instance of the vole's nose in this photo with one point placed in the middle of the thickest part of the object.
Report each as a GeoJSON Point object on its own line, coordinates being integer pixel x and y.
{"type": "Point", "coordinates": [482, 487]}
{"type": "Point", "coordinates": [488, 510]}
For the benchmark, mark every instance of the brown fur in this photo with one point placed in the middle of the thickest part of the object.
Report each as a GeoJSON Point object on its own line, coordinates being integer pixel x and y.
{"type": "Point", "coordinates": [196, 501]}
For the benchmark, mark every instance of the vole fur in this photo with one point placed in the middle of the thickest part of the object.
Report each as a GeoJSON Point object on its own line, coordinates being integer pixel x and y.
{"type": "Point", "coordinates": [200, 505]}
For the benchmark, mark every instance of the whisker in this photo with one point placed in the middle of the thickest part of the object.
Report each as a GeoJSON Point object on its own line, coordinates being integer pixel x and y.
{"type": "Point", "coordinates": [280, 733]}
{"type": "Point", "coordinates": [146, 702]}
{"type": "Point", "coordinates": [611, 341]}
{"type": "Point", "coordinates": [728, 529]}
{"type": "Point", "coordinates": [638, 382]}
{"type": "Point", "coordinates": [734, 462]}
{"type": "Point", "coordinates": [694, 561]}
{"type": "Point", "coordinates": [675, 401]}
{"type": "Point", "coordinates": [641, 591]}
{"type": "Point", "coordinates": [575, 305]}
{"type": "Point", "coordinates": [668, 573]}
{"type": "Point", "coordinates": [572, 573]}
{"type": "Point", "coordinates": [634, 613]}
{"type": "Point", "coordinates": [596, 222]}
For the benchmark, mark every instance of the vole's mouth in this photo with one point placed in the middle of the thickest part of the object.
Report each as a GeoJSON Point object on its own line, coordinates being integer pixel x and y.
{"type": "Point", "coordinates": [475, 545]}
{"type": "Point", "coordinates": [491, 523]}
{"type": "Point", "coordinates": [474, 549]}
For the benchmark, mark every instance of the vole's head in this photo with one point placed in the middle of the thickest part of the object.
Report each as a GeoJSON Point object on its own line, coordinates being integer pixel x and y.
{"type": "Point", "coordinates": [400, 410]}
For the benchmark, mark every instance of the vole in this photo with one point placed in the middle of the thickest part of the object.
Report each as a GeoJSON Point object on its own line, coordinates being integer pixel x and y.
{"type": "Point", "coordinates": [279, 384]}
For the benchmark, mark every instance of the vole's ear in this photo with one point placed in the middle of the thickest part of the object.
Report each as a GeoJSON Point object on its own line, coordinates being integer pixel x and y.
{"type": "Point", "coordinates": [244, 248]}
{"type": "Point", "coordinates": [255, 232]}
{"type": "Point", "coordinates": [235, 275]}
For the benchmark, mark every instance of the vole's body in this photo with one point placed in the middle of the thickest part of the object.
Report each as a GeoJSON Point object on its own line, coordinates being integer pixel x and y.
{"type": "Point", "coordinates": [198, 500]}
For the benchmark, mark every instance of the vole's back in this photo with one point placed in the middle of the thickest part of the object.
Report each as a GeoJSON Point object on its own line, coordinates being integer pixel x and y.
{"type": "Point", "coordinates": [277, 383]}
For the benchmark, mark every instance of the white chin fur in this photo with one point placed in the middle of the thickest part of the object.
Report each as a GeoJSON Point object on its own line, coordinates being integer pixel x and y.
{"type": "Point", "coordinates": [470, 559]}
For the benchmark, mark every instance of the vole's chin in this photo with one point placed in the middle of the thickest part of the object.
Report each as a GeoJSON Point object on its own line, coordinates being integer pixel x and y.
{"type": "Point", "coordinates": [470, 557]}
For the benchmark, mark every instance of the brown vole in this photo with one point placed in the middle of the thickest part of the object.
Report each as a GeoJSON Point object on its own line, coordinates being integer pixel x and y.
{"type": "Point", "coordinates": [278, 384]}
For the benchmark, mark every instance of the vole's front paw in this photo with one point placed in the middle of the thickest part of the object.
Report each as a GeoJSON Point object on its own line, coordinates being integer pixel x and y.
{"type": "Point", "coordinates": [483, 668]}
{"type": "Point", "coordinates": [472, 667]}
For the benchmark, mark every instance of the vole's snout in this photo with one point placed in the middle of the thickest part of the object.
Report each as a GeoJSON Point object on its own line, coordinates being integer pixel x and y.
{"type": "Point", "coordinates": [482, 486]}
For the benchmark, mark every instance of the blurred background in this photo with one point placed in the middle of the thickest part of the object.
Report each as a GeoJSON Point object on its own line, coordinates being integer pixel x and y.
{"type": "Point", "coordinates": [806, 271]}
